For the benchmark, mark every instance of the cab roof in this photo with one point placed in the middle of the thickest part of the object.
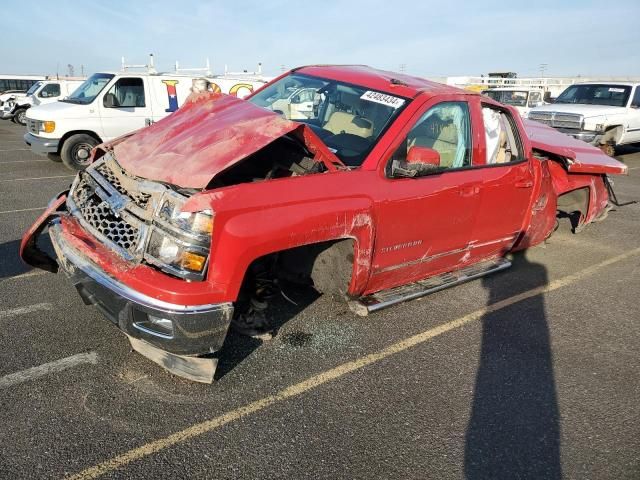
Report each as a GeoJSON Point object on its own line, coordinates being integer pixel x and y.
{"type": "Point", "coordinates": [381, 80]}
{"type": "Point", "coordinates": [606, 82]}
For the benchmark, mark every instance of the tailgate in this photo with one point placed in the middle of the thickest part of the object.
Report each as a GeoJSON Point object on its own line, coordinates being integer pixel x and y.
{"type": "Point", "coordinates": [581, 157]}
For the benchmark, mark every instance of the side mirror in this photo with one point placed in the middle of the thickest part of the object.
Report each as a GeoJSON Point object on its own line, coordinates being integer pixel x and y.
{"type": "Point", "coordinates": [420, 161]}
{"type": "Point", "coordinates": [110, 101]}
{"type": "Point", "coordinates": [423, 156]}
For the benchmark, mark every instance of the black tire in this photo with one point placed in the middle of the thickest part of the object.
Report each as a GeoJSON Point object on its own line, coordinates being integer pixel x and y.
{"type": "Point", "coordinates": [20, 116]}
{"type": "Point", "coordinates": [54, 157]}
{"type": "Point", "coordinates": [76, 151]}
{"type": "Point", "coordinates": [332, 269]}
{"type": "Point", "coordinates": [608, 149]}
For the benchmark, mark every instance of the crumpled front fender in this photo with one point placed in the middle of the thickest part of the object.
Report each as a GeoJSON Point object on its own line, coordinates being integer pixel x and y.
{"type": "Point", "coordinates": [29, 251]}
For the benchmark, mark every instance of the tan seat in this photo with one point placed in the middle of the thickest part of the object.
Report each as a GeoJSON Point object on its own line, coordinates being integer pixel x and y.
{"type": "Point", "coordinates": [439, 135]}
{"type": "Point", "coordinates": [343, 122]}
{"type": "Point", "coordinates": [503, 156]}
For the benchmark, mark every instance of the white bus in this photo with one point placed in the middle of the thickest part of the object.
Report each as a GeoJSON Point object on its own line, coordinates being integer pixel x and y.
{"type": "Point", "coordinates": [18, 83]}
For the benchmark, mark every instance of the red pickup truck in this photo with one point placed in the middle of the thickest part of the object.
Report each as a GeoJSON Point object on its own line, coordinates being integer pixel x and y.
{"type": "Point", "coordinates": [375, 185]}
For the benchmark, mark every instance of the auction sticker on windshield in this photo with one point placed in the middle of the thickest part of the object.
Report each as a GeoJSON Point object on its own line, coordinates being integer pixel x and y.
{"type": "Point", "coordinates": [388, 100]}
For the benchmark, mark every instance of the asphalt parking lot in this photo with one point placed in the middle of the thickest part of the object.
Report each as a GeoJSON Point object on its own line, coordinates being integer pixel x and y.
{"type": "Point", "coordinates": [529, 373]}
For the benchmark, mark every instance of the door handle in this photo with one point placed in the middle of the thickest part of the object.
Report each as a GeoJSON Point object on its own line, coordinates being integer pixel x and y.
{"type": "Point", "coordinates": [524, 184]}
{"type": "Point", "coordinates": [468, 191]}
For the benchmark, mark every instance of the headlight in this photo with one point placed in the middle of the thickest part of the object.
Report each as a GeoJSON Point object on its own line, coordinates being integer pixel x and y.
{"type": "Point", "coordinates": [180, 241]}
{"type": "Point", "coordinates": [176, 254]}
{"type": "Point", "coordinates": [200, 223]}
{"type": "Point", "coordinates": [46, 126]}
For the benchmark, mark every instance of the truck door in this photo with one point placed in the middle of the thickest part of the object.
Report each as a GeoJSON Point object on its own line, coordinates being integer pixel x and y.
{"type": "Point", "coordinates": [425, 224]}
{"type": "Point", "coordinates": [49, 93]}
{"type": "Point", "coordinates": [632, 135]}
{"type": "Point", "coordinates": [506, 188]}
{"type": "Point", "coordinates": [124, 107]}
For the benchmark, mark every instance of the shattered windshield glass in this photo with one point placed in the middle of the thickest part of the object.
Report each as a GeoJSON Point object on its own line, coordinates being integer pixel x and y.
{"type": "Point", "coordinates": [349, 119]}
{"type": "Point", "coordinates": [90, 89]}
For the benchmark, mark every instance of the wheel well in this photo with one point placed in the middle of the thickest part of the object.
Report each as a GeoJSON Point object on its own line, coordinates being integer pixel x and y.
{"type": "Point", "coordinates": [612, 134]}
{"type": "Point", "coordinates": [76, 132]}
{"type": "Point", "coordinates": [574, 205]}
{"type": "Point", "coordinates": [325, 265]}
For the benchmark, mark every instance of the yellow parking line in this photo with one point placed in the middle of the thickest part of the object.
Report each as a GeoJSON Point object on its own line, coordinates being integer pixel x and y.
{"type": "Point", "coordinates": [23, 210]}
{"type": "Point", "coordinates": [20, 161]}
{"type": "Point", "coordinates": [332, 374]}
{"type": "Point", "coordinates": [36, 178]}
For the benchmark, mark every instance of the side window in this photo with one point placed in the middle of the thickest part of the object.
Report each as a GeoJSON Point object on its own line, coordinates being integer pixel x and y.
{"type": "Point", "coordinates": [501, 136]}
{"type": "Point", "coordinates": [125, 93]}
{"type": "Point", "coordinates": [440, 140]}
{"type": "Point", "coordinates": [635, 103]}
{"type": "Point", "coordinates": [534, 98]}
{"type": "Point", "coordinates": [50, 90]}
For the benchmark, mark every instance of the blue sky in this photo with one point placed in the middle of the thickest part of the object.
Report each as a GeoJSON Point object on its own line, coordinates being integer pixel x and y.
{"type": "Point", "coordinates": [430, 38]}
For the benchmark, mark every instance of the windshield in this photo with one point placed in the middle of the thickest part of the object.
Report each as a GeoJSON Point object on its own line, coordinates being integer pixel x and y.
{"type": "Point", "coordinates": [347, 118]}
{"type": "Point", "coordinates": [90, 89]}
{"type": "Point", "coordinates": [612, 95]}
{"type": "Point", "coordinates": [509, 97]}
{"type": "Point", "coordinates": [33, 88]}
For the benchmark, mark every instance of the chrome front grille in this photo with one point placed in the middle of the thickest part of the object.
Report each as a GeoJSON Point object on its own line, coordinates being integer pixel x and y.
{"type": "Point", "coordinates": [558, 119]}
{"type": "Point", "coordinates": [141, 199]}
{"type": "Point", "coordinates": [32, 126]}
{"type": "Point", "coordinates": [99, 215]}
{"type": "Point", "coordinates": [115, 207]}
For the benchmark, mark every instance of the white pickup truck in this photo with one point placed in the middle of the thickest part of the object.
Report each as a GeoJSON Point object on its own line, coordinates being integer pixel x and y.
{"type": "Point", "coordinates": [603, 114]}
{"type": "Point", "coordinates": [45, 91]}
{"type": "Point", "coordinates": [523, 99]}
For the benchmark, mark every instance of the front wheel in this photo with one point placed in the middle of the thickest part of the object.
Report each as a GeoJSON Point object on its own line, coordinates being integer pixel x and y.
{"type": "Point", "coordinates": [76, 151]}
{"type": "Point", "coordinates": [20, 116]}
{"type": "Point", "coordinates": [608, 149]}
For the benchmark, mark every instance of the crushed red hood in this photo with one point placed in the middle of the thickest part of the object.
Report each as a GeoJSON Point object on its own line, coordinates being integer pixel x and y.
{"type": "Point", "coordinates": [208, 134]}
{"type": "Point", "coordinates": [582, 157]}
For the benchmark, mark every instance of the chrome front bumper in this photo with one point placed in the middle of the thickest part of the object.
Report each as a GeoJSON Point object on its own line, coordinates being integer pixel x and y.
{"type": "Point", "coordinates": [194, 329]}
{"type": "Point", "coordinates": [41, 146]}
{"type": "Point", "coordinates": [585, 135]}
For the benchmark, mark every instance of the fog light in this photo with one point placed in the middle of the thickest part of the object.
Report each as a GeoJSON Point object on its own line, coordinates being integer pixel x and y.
{"type": "Point", "coordinates": [153, 325]}
{"type": "Point", "coordinates": [163, 325]}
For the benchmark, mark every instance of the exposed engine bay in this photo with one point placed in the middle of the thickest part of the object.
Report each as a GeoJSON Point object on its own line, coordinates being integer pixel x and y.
{"type": "Point", "coordinates": [284, 157]}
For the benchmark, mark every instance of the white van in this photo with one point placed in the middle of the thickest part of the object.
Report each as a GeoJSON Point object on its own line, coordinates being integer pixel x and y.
{"type": "Point", "coordinates": [108, 105]}
{"type": "Point", "coordinates": [523, 98]}
{"type": "Point", "coordinates": [45, 91]}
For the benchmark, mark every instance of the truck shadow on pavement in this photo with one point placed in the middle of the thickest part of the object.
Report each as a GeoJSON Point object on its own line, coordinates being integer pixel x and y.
{"type": "Point", "coordinates": [514, 428]}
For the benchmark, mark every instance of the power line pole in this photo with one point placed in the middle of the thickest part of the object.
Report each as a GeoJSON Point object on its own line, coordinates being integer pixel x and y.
{"type": "Point", "coordinates": [543, 67]}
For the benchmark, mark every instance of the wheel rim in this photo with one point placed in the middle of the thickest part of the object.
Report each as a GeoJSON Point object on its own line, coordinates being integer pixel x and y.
{"type": "Point", "coordinates": [21, 115]}
{"type": "Point", "coordinates": [608, 150]}
{"type": "Point", "coordinates": [81, 153]}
